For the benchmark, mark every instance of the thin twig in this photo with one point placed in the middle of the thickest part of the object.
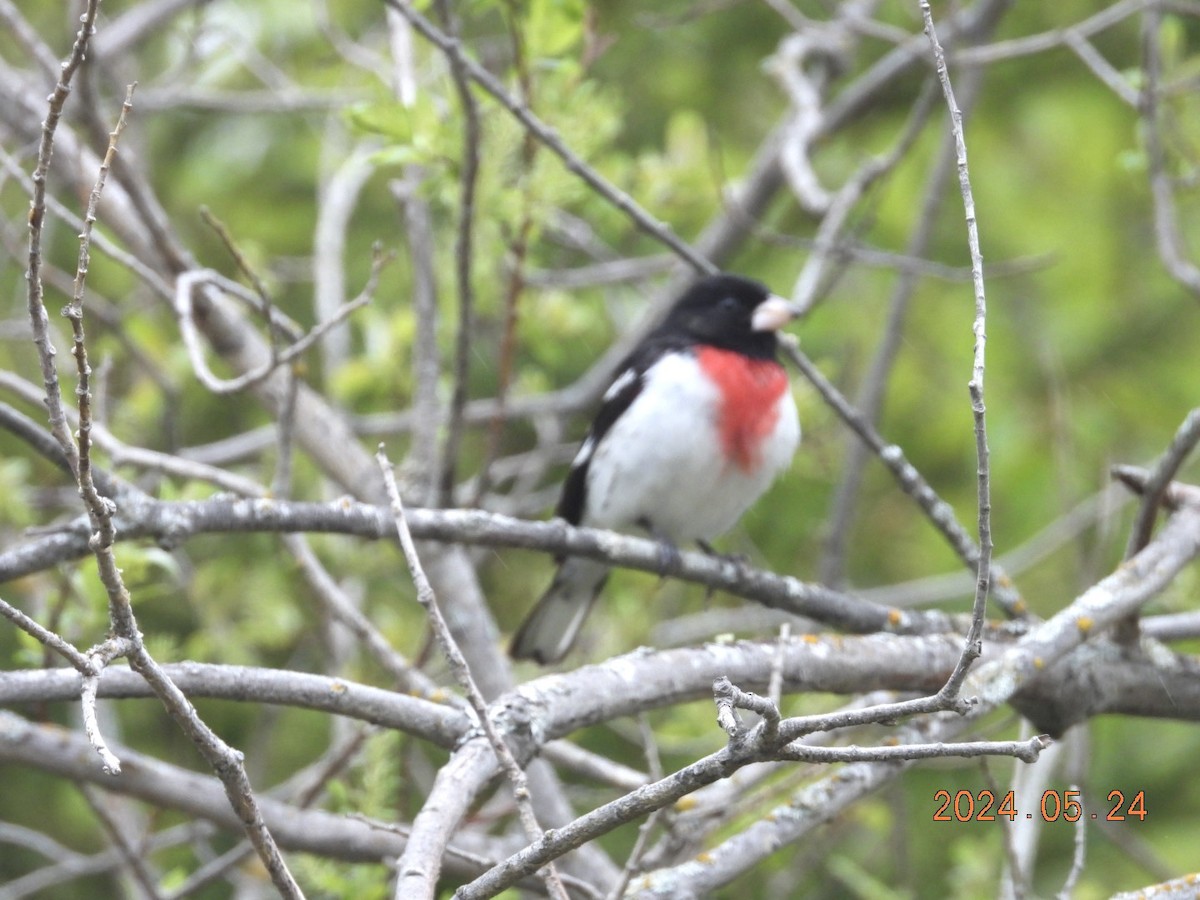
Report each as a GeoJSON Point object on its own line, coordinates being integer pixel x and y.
{"type": "Point", "coordinates": [1048, 40]}
{"type": "Point", "coordinates": [193, 279]}
{"type": "Point", "coordinates": [1016, 879]}
{"type": "Point", "coordinates": [549, 137]}
{"type": "Point", "coordinates": [514, 288]}
{"type": "Point", "coordinates": [464, 258]}
{"type": "Point", "coordinates": [337, 198]}
{"type": "Point", "coordinates": [808, 284]}
{"type": "Point", "coordinates": [281, 480]}
{"type": "Point", "coordinates": [47, 638]}
{"type": "Point", "coordinates": [938, 511]}
{"type": "Point", "coordinates": [1078, 858]}
{"type": "Point", "coordinates": [1026, 751]}
{"type": "Point", "coordinates": [146, 274]}
{"type": "Point", "coordinates": [633, 861]}
{"type": "Point", "coordinates": [265, 305]}
{"type": "Point", "coordinates": [462, 672]}
{"type": "Point", "coordinates": [1169, 627]}
{"type": "Point", "coordinates": [133, 857]}
{"type": "Point", "coordinates": [421, 467]}
{"type": "Point", "coordinates": [37, 215]}
{"type": "Point", "coordinates": [27, 36]}
{"type": "Point", "coordinates": [515, 261]}
{"type": "Point", "coordinates": [338, 607]}
{"type": "Point", "coordinates": [787, 66]}
{"type": "Point", "coordinates": [775, 684]}
{"type": "Point", "coordinates": [721, 764]}
{"type": "Point", "coordinates": [1186, 438]}
{"type": "Point", "coordinates": [871, 394]}
{"type": "Point", "coordinates": [98, 658]}
{"type": "Point", "coordinates": [101, 509]}
{"type": "Point", "coordinates": [655, 770]}
{"type": "Point", "coordinates": [972, 647]}
{"type": "Point", "coordinates": [1101, 67]}
{"type": "Point", "coordinates": [1167, 235]}
{"type": "Point", "coordinates": [121, 454]}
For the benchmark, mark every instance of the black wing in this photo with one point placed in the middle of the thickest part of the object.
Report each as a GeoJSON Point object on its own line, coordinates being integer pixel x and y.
{"type": "Point", "coordinates": [620, 394]}
{"type": "Point", "coordinates": [618, 398]}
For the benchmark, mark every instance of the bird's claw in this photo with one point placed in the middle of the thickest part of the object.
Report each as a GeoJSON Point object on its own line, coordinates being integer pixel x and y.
{"type": "Point", "coordinates": [669, 559]}
{"type": "Point", "coordinates": [739, 560]}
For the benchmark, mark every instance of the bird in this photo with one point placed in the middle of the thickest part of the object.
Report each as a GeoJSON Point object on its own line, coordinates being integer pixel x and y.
{"type": "Point", "coordinates": [697, 423]}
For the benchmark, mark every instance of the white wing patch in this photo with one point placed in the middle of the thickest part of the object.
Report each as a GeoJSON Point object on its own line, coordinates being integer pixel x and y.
{"type": "Point", "coordinates": [623, 381]}
{"type": "Point", "coordinates": [585, 452]}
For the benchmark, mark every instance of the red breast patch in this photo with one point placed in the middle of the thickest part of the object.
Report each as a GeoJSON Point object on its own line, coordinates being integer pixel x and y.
{"type": "Point", "coordinates": [750, 392]}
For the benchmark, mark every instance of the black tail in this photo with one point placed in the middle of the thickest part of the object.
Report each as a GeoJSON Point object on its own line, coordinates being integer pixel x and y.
{"type": "Point", "coordinates": [551, 627]}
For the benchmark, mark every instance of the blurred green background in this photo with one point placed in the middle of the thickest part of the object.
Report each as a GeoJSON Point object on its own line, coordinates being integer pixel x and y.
{"type": "Point", "coordinates": [1092, 360]}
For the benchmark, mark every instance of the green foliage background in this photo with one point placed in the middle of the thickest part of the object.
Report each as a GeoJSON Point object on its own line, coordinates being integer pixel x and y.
{"type": "Point", "coordinates": [1092, 360]}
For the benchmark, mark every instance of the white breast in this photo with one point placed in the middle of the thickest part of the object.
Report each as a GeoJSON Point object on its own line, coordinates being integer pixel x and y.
{"type": "Point", "coordinates": [662, 462]}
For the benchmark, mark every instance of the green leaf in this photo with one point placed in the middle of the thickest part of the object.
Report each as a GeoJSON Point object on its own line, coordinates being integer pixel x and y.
{"type": "Point", "coordinates": [393, 121]}
{"type": "Point", "coordinates": [553, 26]}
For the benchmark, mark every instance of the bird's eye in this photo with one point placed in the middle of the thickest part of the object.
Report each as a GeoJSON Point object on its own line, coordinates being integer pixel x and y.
{"type": "Point", "coordinates": [730, 304]}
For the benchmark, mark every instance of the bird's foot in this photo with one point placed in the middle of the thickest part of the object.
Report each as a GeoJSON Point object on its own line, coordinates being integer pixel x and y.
{"type": "Point", "coordinates": [669, 559]}
{"type": "Point", "coordinates": [740, 560]}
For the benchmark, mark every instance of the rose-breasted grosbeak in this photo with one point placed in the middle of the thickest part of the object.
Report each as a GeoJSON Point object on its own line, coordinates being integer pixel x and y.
{"type": "Point", "coordinates": [697, 423]}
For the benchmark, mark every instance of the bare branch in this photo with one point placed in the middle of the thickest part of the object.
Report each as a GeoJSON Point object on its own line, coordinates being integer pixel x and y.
{"type": "Point", "coordinates": [983, 572]}
{"type": "Point", "coordinates": [938, 511]}
{"type": "Point", "coordinates": [803, 90]}
{"type": "Point", "coordinates": [98, 658]}
{"type": "Point", "coordinates": [808, 284]}
{"type": "Point", "coordinates": [464, 258]}
{"type": "Point", "coordinates": [1079, 858]}
{"type": "Point", "coordinates": [1182, 444]}
{"type": "Point", "coordinates": [333, 600]}
{"type": "Point", "coordinates": [188, 282]}
{"type": "Point", "coordinates": [426, 875]}
{"type": "Point", "coordinates": [441, 723]}
{"type": "Point", "coordinates": [130, 855]}
{"type": "Point", "coordinates": [1101, 67]}
{"type": "Point", "coordinates": [37, 215]}
{"type": "Point", "coordinates": [730, 698]}
{"type": "Point", "coordinates": [60, 752]}
{"type": "Point", "coordinates": [757, 744]}
{"type": "Point", "coordinates": [101, 509]}
{"type": "Point", "coordinates": [1174, 889]}
{"type": "Point", "coordinates": [46, 637]}
{"type": "Point", "coordinates": [597, 182]}
{"type": "Point", "coordinates": [1048, 40]}
{"type": "Point", "coordinates": [337, 198]}
{"type": "Point", "coordinates": [142, 516]}
{"type": "Point", "coordinates": [1167, 234]}
{"type": "Point", "coordinates": [871, 393]}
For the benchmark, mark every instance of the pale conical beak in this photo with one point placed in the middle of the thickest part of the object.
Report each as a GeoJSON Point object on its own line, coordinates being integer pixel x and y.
{"type": "Point", "coordinates": [773, 313]}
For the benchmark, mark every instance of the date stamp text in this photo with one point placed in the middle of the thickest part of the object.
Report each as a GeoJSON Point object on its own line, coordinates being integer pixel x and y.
{"type": "Point", "coordinates": [1056, 805]}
